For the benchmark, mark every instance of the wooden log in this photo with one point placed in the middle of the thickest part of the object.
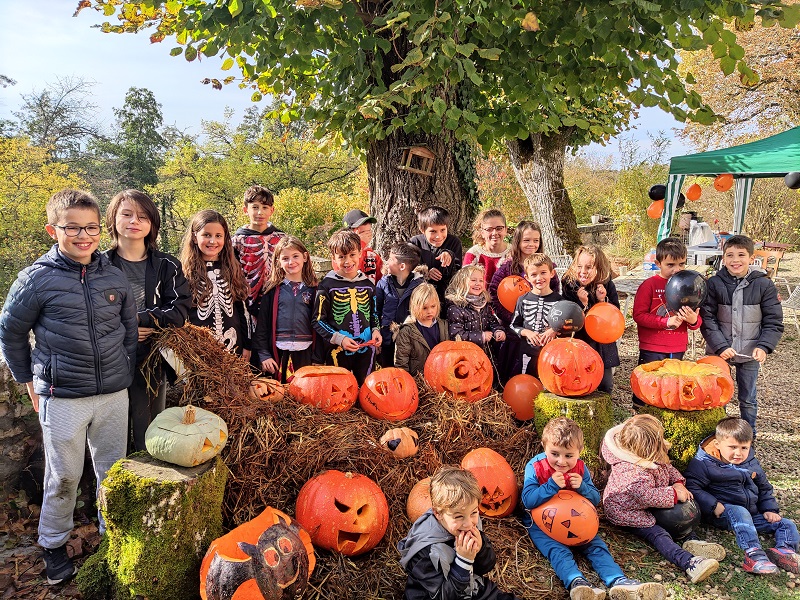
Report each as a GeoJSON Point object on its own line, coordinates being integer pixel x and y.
{"type": "Point", "coordinates": [160, 520]}
{"type": "Point", "coordinates": [685, 430]}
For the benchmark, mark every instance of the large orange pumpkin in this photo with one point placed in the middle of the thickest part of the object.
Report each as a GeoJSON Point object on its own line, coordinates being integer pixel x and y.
{"type": "Point", "coordinates": [570, 367]}
{"type": "Point", "coordinates": [568, 518]}
{"type": "Point", "coordinates": [510, 289]}
{"type": "Point", "coordinates": [520, 393]}
{"type": "Point", "coordinates": [499, 489]}
{"type": "Point", "coordinates": [682, 385]}
{"type": "Point", "coordinates": [330, 389]}
{"type": "Point", "coordinates": [461, 369]}
{"type": "Point", "coordinates": [266, 390]}
{"type": "Point", "coordinates": [343, 512]}
{"type": "Point", "coordinates": [389, 393]}
{"type": "Point", "coordinates": [268, 557]}
{"type": "Point", "coordinates": [419, 499]}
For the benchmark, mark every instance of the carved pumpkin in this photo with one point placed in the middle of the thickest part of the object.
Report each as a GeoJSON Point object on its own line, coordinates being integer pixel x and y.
{"type": "Point", "coordinates": [510, 290]}
{"type": "Point", "coordinates": [568, 518]}
{"type": "Point", "coordinates": [496, 479]}
{"type": "Point", "coordinates": [330, 389]}
{"type": "Point", "coordinates": [712, 359]}
{"type": "Point", "coordinates": [520, 393]}
{"type": "Point", "coordinates": [343, 512]}
{"type": "Point", "coordinates": [682, 385]}
{"type": "Point", "coordinates": [185, 436]}
{"type": "Point", "coordinates": [402, 442]}
{"type": "Point", "coordinates": [419, 499]}
{"type": "Point", "coordinates": [389, 393]}
{"type": "Point", "coordinates": [604, 323]}
{"type": "Point", "coordinates": [460, 369]}
{"type": "Point", "coordinates": [270, 557]}
{"type": "Point", "coordinates": [570, 367]}
{"type": "Point", "coordinates": [266, 390]}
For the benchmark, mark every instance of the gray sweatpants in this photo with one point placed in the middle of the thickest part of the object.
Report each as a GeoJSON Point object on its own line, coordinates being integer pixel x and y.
{"type": "Point", "coordinates": [67, 424]}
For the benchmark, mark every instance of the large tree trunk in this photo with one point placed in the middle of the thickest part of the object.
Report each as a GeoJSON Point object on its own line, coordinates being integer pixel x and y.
{"type": "Point", "coordinates": [397, 195]}
{"type": "Point", "coordinates": [539, 166]}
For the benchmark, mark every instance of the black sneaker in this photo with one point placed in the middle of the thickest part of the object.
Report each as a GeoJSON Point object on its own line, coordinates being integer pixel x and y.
{"type": "Point", "coordinates": [58, 565]}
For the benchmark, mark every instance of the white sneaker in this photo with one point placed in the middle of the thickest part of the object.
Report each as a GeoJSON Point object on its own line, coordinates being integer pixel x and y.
{"type": "Point", "coordinates": [701, 569]}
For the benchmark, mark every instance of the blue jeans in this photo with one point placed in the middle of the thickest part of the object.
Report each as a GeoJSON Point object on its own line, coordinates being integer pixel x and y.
{"type": "Point", "coordinates": [746, 376]}
{"type": "Point", "coordinates": [660, 538]}
{"type": "Point", "coordinates": [746, 528]}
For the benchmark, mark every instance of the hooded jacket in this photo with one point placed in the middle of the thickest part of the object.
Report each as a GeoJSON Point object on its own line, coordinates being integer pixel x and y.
{"type": "Point", "coordinates": [411, 350]}
{"type": "Point", "coordinates": [635, 484]}
{"type": "Point", "coordinates": [712, 480]}
{"type": "Point", "coordinates": [84, 321]}
{"type": "Point", "coordinates": [394, 308]}
{"type": "Point", "coordinates": [469, 324]}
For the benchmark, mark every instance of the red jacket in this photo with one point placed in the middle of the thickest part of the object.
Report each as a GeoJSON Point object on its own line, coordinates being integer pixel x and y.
{"type": "Point", "coordinates": [650, 314]}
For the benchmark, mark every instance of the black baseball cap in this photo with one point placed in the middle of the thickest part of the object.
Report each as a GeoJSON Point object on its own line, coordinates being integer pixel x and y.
{"type": "Point", "coordinates": [356, 218]}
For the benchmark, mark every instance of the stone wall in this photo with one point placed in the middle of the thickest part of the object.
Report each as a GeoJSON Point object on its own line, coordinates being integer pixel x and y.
{"type": "Point", "coordinates": [601, 234]}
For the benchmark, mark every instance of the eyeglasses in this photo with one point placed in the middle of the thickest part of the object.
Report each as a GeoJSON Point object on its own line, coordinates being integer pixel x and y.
{"type": "Point", "coordinates": [75, 231]}
{"type": "Point", "coordinates": [498, 229]}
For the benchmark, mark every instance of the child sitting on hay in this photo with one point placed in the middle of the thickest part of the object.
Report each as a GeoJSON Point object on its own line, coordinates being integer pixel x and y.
{"type": "Point", "coordinates": [446, 554]}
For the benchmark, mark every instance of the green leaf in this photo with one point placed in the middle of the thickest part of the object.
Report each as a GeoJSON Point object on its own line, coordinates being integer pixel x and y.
{"type": "Point", "coordinates": [719, 49]}
{"type": "Point", "coordinates": [190, 53]}
{"type": "Point", "coordinates": [736, 52]}
{"type": "Point", "coordinates": [176, 51]}
{"type": "Point", "coordinates": [727, 64]}
{"type": "Point", "coordinates": [235, 7]}
{"type": "Point", "coordinates": [414, 57]}
{"type": "Point", "coordinates": [108, 10]}
{"type": "Point", "coordinates": [466, 49]}
{"type": "Point", "coordinates": [710, 36]}
{"type": "Point", "coordinates": [439, 106]}
{"type": "Point", "coordinates": [227, 64]}
{"type": "Point", "coordinates": [256, 97]}
{"type": "Point", "coordinates": [490, 53]}
{"type": "Point", "coordinates": [728, 37]}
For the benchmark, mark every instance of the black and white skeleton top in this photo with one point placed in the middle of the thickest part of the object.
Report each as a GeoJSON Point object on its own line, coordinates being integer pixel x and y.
{"type": "Point", "coordinates": [532, 310]}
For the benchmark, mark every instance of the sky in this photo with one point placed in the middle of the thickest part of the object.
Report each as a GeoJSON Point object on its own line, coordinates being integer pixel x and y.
{"type": "Point", "coordinates": [41, 42]}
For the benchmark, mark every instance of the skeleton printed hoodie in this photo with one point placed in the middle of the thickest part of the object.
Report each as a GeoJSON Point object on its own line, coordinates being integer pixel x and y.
{"type": "Point", "coordinates": [345, 308]}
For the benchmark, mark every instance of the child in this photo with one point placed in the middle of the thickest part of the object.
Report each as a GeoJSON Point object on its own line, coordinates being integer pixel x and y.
{"type": "Point", "coordinates": [370, 263]}
{"type": "Point", "coordinates": [661, 333]}
{"type": "Point", "coordinates": [530, 315]}
{"type": "Point", "coordinates": [556, 468]}
{"type": "Point", "coordinates": [745, 302]}
{"type": "Point", "coordinates": [218, 285]}
{"type": "Point", "coordinates": [422, 330]}
{"type": "Point", "coordinates": [469, 314]}
{"type": "Point", "coordinates": [284, 336]}
{"type": "Point", "coordinates": [733, 493]}
{"type": "Point", "coordinates": [159, 288]}
{"type": "Point", "coordinates": [489, 234]}
{"type": "Point", "coordinates": [587, 282]}
{"type": "Point", "coordinates": [446, 554]}
{"type": "Point", "coordinates": [642, 478]}
{"type": "Point", "coordinates": [83, 314]}
{"type": "Point", "coordinates": [345, 313]}
{"type": "Point", "coordinates": [393, 294]}
{"type": "Point", "coordinates": [440, 251]}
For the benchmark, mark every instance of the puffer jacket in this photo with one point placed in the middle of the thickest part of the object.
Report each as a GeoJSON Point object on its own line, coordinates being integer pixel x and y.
{"type": "Point", "coordinates": [635, 484]}
{"type": "Point", "coordinates": [743, 314]}
{"type": "Point", "coordinates": [84, 321]}
{"type": "Point", "coordinates": [391, 307]}
{"type": "Point", "coordinates": [711, 480]}
{"type": "Point", "coordinates": [469, 324]}
{"type": "Point", "coordinates": [411, 350]}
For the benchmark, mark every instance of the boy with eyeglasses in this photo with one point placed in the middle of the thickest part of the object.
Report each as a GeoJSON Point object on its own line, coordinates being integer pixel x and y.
{"type": "Point", "coordinates": [83, 315]}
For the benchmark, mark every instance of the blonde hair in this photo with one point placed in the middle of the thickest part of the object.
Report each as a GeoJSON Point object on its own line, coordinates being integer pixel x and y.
{"type": "Point", "coordinates": [602, 265]}
{"type": "Point", "coordinates": [483, 216]}
{"type": "Point", "coordinates": [563, 432]}
{"type": "Point", "coordinates": [643, 435]}
{"type": "Point", "coordinates": [421, 294]}
{"type": "Point", "coordinates": [453, 487]}
{"type": "Point", "coordinates": [537, 260]}
{"type": "Point", "coordinates": [458, 288]}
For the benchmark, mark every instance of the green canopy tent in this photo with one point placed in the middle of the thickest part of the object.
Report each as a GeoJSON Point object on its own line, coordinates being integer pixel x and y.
{"type": "Point", "coordinates": [774, 156]}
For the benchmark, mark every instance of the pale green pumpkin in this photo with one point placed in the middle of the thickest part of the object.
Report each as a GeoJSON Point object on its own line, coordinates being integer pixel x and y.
{"type": "Point", "coordinates": [186, 436]}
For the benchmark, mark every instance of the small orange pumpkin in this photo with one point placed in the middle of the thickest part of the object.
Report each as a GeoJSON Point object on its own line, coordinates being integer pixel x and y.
{"type": "Point", "coordinates": [419, 499]}
{"type": "Point", "coordinates": [682, 384]}
{"type": "Point", "coordinates": [520, 393]}
{"type": "Point", "coordinates": [266, 390]}
{"type": "Point", "coordinates": [499, 489]}
{"type": "Point", "coordinates": [389, 393]}
{"type": "Point", "coordinates": [570, 367]}
{"type": "Point", "coordinates": [330, 389]}
{"type": "Point", "coordinates": [568, 518]}
{"type": "Point", "coordinates": [402, 442]}
{"type": "Point", "coordinates": [460, 369]}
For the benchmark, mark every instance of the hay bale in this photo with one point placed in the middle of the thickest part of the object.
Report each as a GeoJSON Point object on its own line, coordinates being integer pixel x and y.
{"type": "Point", "coordinates": [685, 430]}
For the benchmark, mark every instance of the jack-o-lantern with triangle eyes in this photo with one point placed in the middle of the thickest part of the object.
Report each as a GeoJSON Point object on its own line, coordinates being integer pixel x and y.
{"type": "Point", "coordinates": [389, 393]}
{"type": "Point", "coordinates": [461, 369]}
{"type": "Point", "coordinates": [266, 390]}
{"type": "Point", "coordinates": [343, 512]}
{"type": "Point", "coordinates": [499, 489]}
{"type": "Point", "coordinates": [568, 518]}
{"type": "Point", "coordinates": [570, 367]}
{"type": "Point", "coordinates": [330, 389]}
{"type": "Point", "coordinates": [270, 557]}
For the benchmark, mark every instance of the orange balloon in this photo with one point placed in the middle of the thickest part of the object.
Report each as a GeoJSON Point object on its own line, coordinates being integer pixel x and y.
{"type": "Point", "coordinates": [694, 192]}
{"type": "Point", "coordinates": [510, 289]}
{"type": "Point", "coordinates": [520, 393]}
{"type": "Point", "coordinates": [604, 323]}
{"type": "Point", "coordinates": [655, 209]}
{"type": "Point", "coordinates": [568, 518]}
{"type": "Point", "coordinates": [722, 183]}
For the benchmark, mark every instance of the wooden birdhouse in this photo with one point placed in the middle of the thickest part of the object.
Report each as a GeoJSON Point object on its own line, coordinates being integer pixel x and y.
{"type": "Point", "coordinates": [417, 159]}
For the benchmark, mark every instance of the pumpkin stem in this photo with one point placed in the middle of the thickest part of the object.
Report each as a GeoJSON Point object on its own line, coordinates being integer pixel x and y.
{"type": "Point", "coordinates": [188, 415]}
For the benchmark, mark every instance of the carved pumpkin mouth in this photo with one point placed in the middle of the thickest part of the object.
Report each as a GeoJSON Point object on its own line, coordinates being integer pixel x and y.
{"type": "Point", "coordinates": [494, 502]}
{"type": "Point", "coordinates": [351, 541]}
{"type": "Point", "coordinates": [286, 584]}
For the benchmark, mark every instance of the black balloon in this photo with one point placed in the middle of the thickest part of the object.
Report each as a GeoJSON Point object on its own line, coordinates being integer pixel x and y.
{"type": "Point", "coordinates": [792, 180]}
{"type": "Point", "coordinates": [681, 201]}
{"type": "Point", "coordinates": [678, 520]}
{"type": "Point", "coordinates": [565, 317]}
{"type": "Point", "coordinates": [685, 288]}
{"type": "Point", "coordinates": [658, 192]}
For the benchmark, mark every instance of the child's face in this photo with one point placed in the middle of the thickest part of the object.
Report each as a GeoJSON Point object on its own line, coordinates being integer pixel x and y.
{"type": "Point", "coordinates": [394, 266]}
{"type": "Point", "coordinates": [347, 263]}
{"type": "Point", "coordinates": [732, 451]}
{"type": "Point", "coordinates": [81, 246]}
{"type": "Point", "coordinates": [493, 232]}
{"type": "Point", "coordinates": [539, 278]}
{"type": "Point", "coordinates": [737, 260]}
{"type": "Point", "coordinates": [586, 269]}
{"type": "Point", "coordinates": [459, 518]}
{"type": "Point", "coordinates": [210, 241]}
{"type": "Point", "coordinates": [364, 232]}
{"type": "Point", "coordinates": [292, 261]}
{"type": "Point", "coordinates": [435, 234]}
{"type": "Point", "coordinates": [428, 312]}
{"type": "Point", "coordinates": [259, 214]}
{"type": "Point", "coordinates": [560, 458]}
{"type": "Point", "coordinates": [476, 283]}
{"type": "Point", "coordinates": [530, 242]}
{"type": "Point", "coordinates": [131, 222]}
{"type": "Point", "coordinates": [671, 265]}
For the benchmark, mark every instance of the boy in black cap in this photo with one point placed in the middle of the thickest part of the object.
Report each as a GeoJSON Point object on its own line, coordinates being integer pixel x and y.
{"type": "Point", "coordinates": [370, 263]}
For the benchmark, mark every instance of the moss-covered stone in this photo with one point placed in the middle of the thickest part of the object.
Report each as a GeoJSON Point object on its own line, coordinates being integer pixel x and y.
{"type": "Point", "coordinates": [160, 520]}
{"type": "Point", "coordinates": [685, 430]}
{"type": "Point", "coordinates": [593, 413]}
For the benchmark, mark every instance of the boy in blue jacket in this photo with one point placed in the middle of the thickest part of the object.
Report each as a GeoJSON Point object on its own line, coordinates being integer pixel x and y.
{"type": "Point", "coordinates": [82, 312]}
{"type": "Point", "coordinates": [733, 493]}
{"type": "Point", "coordinates": [557, 468]}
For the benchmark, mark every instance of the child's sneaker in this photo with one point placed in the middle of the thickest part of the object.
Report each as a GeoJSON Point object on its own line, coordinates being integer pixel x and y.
{"type": "Point", "coordinates": [756, 561]}
{"type": "Point", "coordinates": [58, 566]}
{"type": "Point", "coordinates": [786, 558]}
{"type": "Point", "coordinates": [701, 568]}
{"type": "Point", "coordinates": [580, 589]}
{"type": "Point", "coordinates": [704, 549]}
{"type": "Point", "coordinates": [631, 589]}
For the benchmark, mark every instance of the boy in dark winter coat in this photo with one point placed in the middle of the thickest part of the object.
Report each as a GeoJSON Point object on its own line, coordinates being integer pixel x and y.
{"type": "Point", "coordinates": [742, 319]}
{"type": "Point", "coordinates": [733, 493]}
{"type": "Point", "coordinates": [441, 251]}
{"type": "Point", "coordinates": [446, 554]}
{"type": "Point", "coordinates": [422, 330]}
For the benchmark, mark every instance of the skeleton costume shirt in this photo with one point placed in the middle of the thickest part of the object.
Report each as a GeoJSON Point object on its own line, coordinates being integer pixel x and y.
{"type": "Point", "coordinates": [254, 250]}
{"type": "Point", "coordinates": [221, 314]}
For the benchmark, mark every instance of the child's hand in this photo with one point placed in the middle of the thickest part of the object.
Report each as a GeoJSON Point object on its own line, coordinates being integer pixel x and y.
{"type": "Point", "coordinates": [683, 494]}
{"type": "Point", "coordinates": [728, 354]}
{"type": "Point", "coordinates": [759, 355]}
{"type": "Point", "coordinates": [145, 332]}
{"type": "Point", "coordinates": [674, 322]}
{"type": "Point", "coordinates": [719, 509]}
{"type": "Point", "coordinates": [32, 395]}
{"type": "Point", "coordinates": [246, 355]}
{"type": "Point", "coordinates": [487, 336]}
{"type": "Point", "coordinates": [445, 258]}
{"type": "Point", "coordinates": [531, 336]}
{"type": "Point", "coordinates": [583, 296]}
{"type": "Point", "coordinates": [500, 335]}
{"type": "Point", "coordinates": [269, 365]}
{"type": "Point", "coordinates": [466, 544]}
{"type": "Point", "coordinates": [434, 274]}
{"type": "Point", "coordinates": [350, 345]}
{"type": "Point", "coordinates": [601, 293]}
{"type": "Point", "coordinates": [558, 479]}
{"type": "Point", "coordinates": [772, 517]}
{"type": "Point", "coordinates": [688, 315]}
{"type": "Point", "coordinates": [575, 481]}
{"type": "Point", "coordinates": [548, 335]}
{"type": "Point", "coordinates": [377, 338]}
